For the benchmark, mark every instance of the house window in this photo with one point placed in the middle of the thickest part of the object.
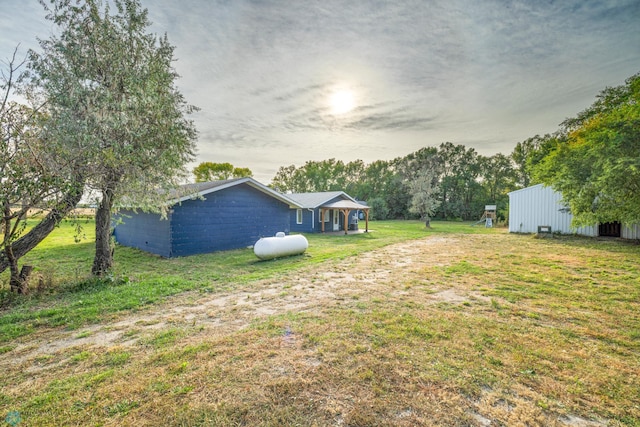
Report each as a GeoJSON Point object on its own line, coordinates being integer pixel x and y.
{"type": "Point", "coordinates": [324, 215]}
{"type": "Point", "coordinates": [299, 216]}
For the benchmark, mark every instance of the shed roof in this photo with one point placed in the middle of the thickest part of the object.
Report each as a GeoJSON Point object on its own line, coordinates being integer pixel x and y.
{"type": "Point", "coordinates": [314, 200]}
{"type": "Point", "coordinates": [199, 189]}
{"type": "Point", "coordinates": [526, 189]}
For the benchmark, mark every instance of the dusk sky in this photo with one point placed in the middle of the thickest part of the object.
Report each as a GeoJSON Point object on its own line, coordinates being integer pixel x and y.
{"type": "Point", "coordinates": [283, 82]}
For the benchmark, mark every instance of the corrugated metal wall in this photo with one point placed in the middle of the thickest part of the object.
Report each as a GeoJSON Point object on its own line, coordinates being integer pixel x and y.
{"type": "Point", "coordinates": [632, 232]}
{"type": "Point", "coordinates": [541, 206]}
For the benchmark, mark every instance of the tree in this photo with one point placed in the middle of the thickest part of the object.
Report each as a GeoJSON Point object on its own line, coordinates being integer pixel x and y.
{"type": "Point", "coordinates": [497, 176]}
{"type": "Point", "coordinates": [285, 180]}
{"type": "Point", "coordinates": [520, 155]}
{"type": "Point", "coordinates": [353, 178]}
{"type": "Point", "coordinates": [316, 176]}
{"type": "Point", "coordinates": [111, 92]}
{"type": "Point", "coordinates": [379, 182]}
{"type": "Point", "coordinates": [313, 176]}
{"type": "Point", "coordinates": [209, 171]}
{"type": "Point", "coordinates": [596, 166]}
{"type": "Point", "coordinates": [397, 197]}
{"type": "Point", "coordinates": [460, 169]}
{"type": "Point", "coordinates": [379, 209]}
{"type": "Point", "coordinates": [242, 172]}
{"type": "Point", "coordinates": [527, 154]}
{"type": "Point", "coordinates": [35, 173]}
{"type": "Point", "coordinates": [424, 192]}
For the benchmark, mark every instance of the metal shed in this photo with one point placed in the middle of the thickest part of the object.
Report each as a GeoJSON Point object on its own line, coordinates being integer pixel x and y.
{"type": "Point", "coordinates": [540, 207]}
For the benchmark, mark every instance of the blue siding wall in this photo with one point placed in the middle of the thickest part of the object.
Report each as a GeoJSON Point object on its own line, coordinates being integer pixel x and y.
{"type": "Point", "coordinates": [307, 218]}
{"type": "Point", "coordinates": [232, 218]}
{"type": "Point", "coordinates": [144, 231]}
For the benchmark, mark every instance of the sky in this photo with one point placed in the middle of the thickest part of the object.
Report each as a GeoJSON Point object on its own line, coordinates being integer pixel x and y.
{"type": "Point", "coordinates": [281, 82]}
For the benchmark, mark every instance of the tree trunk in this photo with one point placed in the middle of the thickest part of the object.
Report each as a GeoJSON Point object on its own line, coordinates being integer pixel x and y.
{"type": "Point", "coordinates": [20, 282]}
{"type": "Point", "coordinates": [103, 260]}
{"type": "Point", "coordinates": [30, 240]}
{"type": "Point", "coordinates": [427, 222]}
{"type": "Point", "coordinates": [14, 281]}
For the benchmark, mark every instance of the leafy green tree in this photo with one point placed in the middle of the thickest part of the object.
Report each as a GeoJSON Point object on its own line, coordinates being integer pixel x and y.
{"type": "Point", "coordinates": [498, 176]}
{"type": "Point", "coordinates": [379, 209]}
{"type": "Point", "coordinates": [527, 154]}
{"type": "Point", "coordinates": [460, 170]}
{"type": "Point", "coordinates": [596, 166]}
{"type": "Point", "coordinates": [353, 178]}
{"type": "Point", "coordinates": [376, 180]}
{"type": "Point", "coordinates": [424, 192]}
{"type": "Point", "coordinates": [520, 156]}
{"type": "Point", "coordinates": [111, 92]}
{"type": "Point", "coordinates": [397, 196]}
{"type": "Point", "coordinates": [315, 176]}
{"type": "Point", "coordinates": [416, 163]}
{"type": "Point", "coordinates": [285, 180]}
{"type": "Point", "coordinates": [242, 172]}
{"type": "Point", "coordinates": [35, 175]}
{"type": "Point", "coordinates": [325, 175]}
{"type": "Point", "coordinates": [209, 171]}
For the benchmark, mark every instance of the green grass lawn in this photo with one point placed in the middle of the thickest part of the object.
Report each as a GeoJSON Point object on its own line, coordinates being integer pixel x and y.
{"type": "Point", "coordinates": [71, 298]}
{"type": "Point", "coordinates": [474, 326]}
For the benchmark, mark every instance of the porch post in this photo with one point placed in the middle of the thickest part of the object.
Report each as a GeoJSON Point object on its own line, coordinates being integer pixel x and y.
{"type": "Point", "coordinates": [345, 212]}
{"type": "Point", "coordinates": [366, 216]}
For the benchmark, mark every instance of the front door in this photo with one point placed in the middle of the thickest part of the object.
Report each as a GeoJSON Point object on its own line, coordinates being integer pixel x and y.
{"type": "Point", "coordinates": [336, 220]}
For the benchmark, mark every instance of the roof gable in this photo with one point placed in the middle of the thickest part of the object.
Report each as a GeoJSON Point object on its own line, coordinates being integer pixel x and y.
{"type": "Point", "coordinates": [314, 200]}
{"type": "Point", "coordinates": [200, 189]}
{"type": "Point", "coordinates": [526, 189]}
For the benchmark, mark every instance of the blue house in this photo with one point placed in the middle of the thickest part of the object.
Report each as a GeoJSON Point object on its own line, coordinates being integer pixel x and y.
{"type": "Point", "coordinates": [327, 211]}
{"type": "Point", "coordinates": [208, 217]}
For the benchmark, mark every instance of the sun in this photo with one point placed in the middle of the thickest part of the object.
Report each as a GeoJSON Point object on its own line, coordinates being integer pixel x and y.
{"type": "Point", "coordinates": [342, 101]}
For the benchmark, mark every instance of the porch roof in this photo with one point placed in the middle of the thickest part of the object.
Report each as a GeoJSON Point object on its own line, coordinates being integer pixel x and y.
{"type": "Point", "coordinates": [345, 204]}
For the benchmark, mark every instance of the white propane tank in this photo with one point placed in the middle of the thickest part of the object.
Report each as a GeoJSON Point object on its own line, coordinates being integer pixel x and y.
{"type": "Point", "coordinates": [280, 246]}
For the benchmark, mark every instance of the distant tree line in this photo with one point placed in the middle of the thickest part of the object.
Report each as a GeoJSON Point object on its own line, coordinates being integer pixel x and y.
{"type": "Point", "coordinates": [457, 179]}
{"type": "Point", "coordinates": [593, 160]}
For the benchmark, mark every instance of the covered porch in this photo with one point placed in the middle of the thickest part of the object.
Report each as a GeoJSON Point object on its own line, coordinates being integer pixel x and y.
{"type": "Point", "coordinates": [345, 207]}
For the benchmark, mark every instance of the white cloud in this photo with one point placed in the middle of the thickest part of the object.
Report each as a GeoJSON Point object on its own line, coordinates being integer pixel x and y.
{"type": "Point", "coordinates": [485, 74]}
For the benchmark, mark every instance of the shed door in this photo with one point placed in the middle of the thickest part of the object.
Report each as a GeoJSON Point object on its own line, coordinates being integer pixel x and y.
{"type": "Point", "coordinates": [609, 229]}
{"type": "Point", "coordinates": [336, 220]}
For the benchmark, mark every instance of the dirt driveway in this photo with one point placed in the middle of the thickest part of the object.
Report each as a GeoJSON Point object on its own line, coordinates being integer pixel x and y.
{"type": "Point", "coordinates": [301, 291]}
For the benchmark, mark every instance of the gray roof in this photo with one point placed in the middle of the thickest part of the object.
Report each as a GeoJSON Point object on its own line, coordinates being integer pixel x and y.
{"type": "Point", "coordinates": [314, 200]}
{"type": "Point", "coordinates": [199, 189]}
{"type": "Point", "coordinates": [193, 189]}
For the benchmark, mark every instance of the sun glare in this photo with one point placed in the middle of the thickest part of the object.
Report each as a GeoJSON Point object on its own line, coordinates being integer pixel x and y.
{"type": "Point", "coordinates": [342, 101]}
